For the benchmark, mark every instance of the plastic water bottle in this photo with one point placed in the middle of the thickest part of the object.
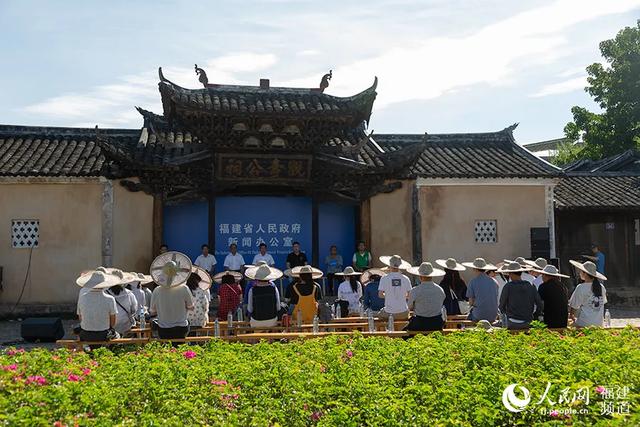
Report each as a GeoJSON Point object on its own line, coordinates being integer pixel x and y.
{"type": "Point", "coordinates": [240, 315]}
{"type": "Point", "coordinates": [361, 309]}
{"type": "Point", "coordinates": [333, 312]}
{"type": "Point", "coordinates": [338, 311]}
{"type": "Point", "coordinates": [216, 328]}
{"type": "Point", "coordinates": [372, 326]}
{"type": "Point", "coordinates": [607, 319]}
{"type": "Point", "coordinates": [299, 318]}
{"type": "Point", "coordinates": [141, 318]}
{"type": "Point", "coordinates": [316, 324]}
{"type": "Point", "coordinates": [391, 325]}
{"type": "Point", "coordinates": [229, 320]}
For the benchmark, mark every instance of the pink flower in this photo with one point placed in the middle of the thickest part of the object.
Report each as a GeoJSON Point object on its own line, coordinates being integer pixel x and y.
{"type": "Point", "coordinates": [73, 378]}
{"type": "Point", "coordinates": [36, 379]}
{"type": "Point", "coordinates": [349, 354]}
{"type": "Point", "coordinates": [554, 413]}
{"type": "Point", "coordinates": [315, 416]}
{"type": "Point", "coordinates": [11, 367]}
{"type": "Point", "coordinates": [189, 354]}
{"type": "Point", "coordinates": [86, 371]}
{"type": "Point", "coordinates": [93, 363]}
{"type": "Point", "coordinates": [601, 390]}
{"type": "Point", "coordinates": [13, 352]}
{"type": "Point", "coordinates": [218, 382]}
{"type": "Point", "coordinates": [323, 369]}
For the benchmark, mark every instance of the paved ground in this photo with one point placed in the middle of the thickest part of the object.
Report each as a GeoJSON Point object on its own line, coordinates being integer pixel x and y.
{"type": "Point", "coordinates": [10, 329]}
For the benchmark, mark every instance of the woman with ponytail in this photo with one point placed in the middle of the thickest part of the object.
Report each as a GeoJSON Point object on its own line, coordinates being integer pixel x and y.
{"type": "Point", "coordinates": [586, 305]}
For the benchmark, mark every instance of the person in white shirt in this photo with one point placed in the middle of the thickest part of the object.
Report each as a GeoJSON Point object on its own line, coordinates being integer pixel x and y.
{"type": "Point", "coordinates": [127, 307]}
{"type": "Point", "coordinates": [263, 256]}
{"type": "Point", "coordinates": [96, 310]}
{"type": "Point", "coordinates": [586, 305]}
{"type": "Point", "coordinates": [233, 261]}
{"type": "Point", "coordinates": [395, 288]}
{"type": "Point", "coordinates": [350, 290]}
{"type": "Point", "coordinates": [206, 260]}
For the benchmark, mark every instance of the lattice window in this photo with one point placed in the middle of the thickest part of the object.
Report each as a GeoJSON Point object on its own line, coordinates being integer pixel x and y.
{"type": "Point", "coordinates": [486, 231]}
{"type": "Point", "coordinates": [25, 233]}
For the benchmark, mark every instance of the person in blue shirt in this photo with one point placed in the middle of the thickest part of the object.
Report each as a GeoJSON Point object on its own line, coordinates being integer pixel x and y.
{"type": "Point", "coordinates": [597, 258]}
{"type": "Point", "coordinates": [482, 292]}
{"type": "Point", "coordinates": [370, 298]}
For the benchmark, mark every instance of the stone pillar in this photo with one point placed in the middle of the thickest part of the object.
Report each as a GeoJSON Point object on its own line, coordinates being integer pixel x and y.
{"type": "Point", "coordinates": [551, 223]}
{"type": "Point", "coordinates": [107, 223]}
{"type": "Point", "coordinates": [416, 224]}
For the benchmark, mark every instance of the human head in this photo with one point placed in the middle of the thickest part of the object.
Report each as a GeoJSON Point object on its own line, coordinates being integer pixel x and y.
{"type": "Point", "coordinates": [491, 273]}
{"type": "Point", "coordinates": [263, 248]}
{"type": "Point", "coordinates": [306, 278]}
{"type": "Point", "coordinates": [228, 279]}
{"type": "Point", "coordinates": [546, 277]}
{"type": "Point", "coordinates": [296, 247]}
{"type": "Point", "coordinates": [425, 278]}
{"type": "Point", "coordinates": [193, 281]}
{"type": "Point", "coordinates": [595, 249]}
{"type": "Point", "coordinates": [205, 249]}
{"type": "Point", "coordinates": [116, 289]}
{"type": "Point", "coordinates": [361, 246]}
{"type": "Point", "coordinates": [233, 248]}
{"type": "Point", "coordinates": [515, 276]}
{"type": "Point", "coordinates": [333, 250]}
{"type": "Point", "coordinates": [164, 248]}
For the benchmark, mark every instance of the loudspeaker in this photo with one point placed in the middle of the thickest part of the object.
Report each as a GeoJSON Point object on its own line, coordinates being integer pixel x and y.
{"type": "Point", "coordinates": [540, 243]}
{"type": "Point", "coordinates": [46, 329]}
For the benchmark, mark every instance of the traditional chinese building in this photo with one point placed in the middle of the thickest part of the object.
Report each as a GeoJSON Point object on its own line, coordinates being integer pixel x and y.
{"type": "Point", "coordinates": [249, 164]}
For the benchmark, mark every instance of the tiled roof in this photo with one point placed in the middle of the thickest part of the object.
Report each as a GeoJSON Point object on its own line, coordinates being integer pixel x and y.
{"type": "Point", "coordinates": [627, 161]}
{"type": "Point", "coordinates": [232, 99]}
{"type": "Point", "coordinates": [55, 151]}
{"type": "Point", "coordinates": [602, 191]}
{"type": "Point", "coordinates": [464, 155]}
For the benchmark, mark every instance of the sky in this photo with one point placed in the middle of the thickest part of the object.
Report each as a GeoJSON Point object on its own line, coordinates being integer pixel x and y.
{"type": "Point", "coordinates": [443, 66]}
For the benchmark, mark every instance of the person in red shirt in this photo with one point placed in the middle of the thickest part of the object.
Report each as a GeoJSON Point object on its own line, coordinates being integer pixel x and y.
{"type": "Point", "coordinates": [229, 294]}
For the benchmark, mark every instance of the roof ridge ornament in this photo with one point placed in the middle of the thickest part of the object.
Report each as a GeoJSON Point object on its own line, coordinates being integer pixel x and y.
{"type": "Point", "coordinates": [202, 76]}
{"type": "Point", "coordinates": [324, 83]}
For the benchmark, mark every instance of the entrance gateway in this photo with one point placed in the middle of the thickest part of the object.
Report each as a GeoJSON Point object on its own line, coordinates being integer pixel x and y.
{"type": "Point", "coordinates": [253, 164]}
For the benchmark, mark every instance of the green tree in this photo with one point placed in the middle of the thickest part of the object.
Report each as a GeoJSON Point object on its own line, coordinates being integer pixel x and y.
{"type": "Point", "coordinates": [615, 86]}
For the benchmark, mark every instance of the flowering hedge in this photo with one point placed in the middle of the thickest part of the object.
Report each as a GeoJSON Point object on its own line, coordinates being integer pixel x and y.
{"type": "Point", "coordinates": [456, 379]}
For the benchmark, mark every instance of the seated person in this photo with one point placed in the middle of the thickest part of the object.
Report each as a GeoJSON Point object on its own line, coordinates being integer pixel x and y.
{"type": "Point", "coordinates": [350, 290]}
{"type": "Point", "coordinates": [199, 316]}
{"type": "Point", "coordinates": [263, 297]}
{"type": "Point", "coordinates": [426, 300]}
{"type": "Point", "coordinates": [127, 307]}
{"type": "Point", "coordinates": [305, 293]}
{"type": "Point", "coordinates": [370, 298]}
{"type": "Point", "coordinates": [96, 310]}
{"type": "Point", "coordinates": [520, 302]}
{"type": "Point", "coordinates": [229, 293]}
{"type": "Point", "coordinates": [171, 304]}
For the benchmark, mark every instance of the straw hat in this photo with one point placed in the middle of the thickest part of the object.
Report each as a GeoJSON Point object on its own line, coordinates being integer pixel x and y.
{"type": "Point", "coordinates": [143, 279]}
{"type": "Point", "coordinates": [450, 264]}
{"type": "Point", "coordinates": [426, 269]}
{"type": "Point", "coordinates": [513, 267]}
{"type": "Point", "coordinates": [538, 264]}
{"type": "Point", "coordinates": [550, 270]}
{"type": "Point", "coordinates": [366, 276]}
{"type": "Point", "coordinates": [480, 264]}
{"type": "Point", "coordinates": [97, 280]}
{"type": "Point", "coordinates": [349, 271]}
{"type": "Point", "coordinates": [395, 261]}
{"type": "Point", "coordinates": [520, 260]}
{"type": "Point", "coordinates": [171, 269]}
{"type": "Point", "coordinates": [589, 268]}
{"type": "Point", "coordinates": [263, 273]}
{"type": "Point", "coordinates": [306, 269]}
{"type": "Point", "coordinates": [123, 277]}
{"type": "Point", "coordinates": [236, 276]}
{"type": "Point", "coordinates": [205, 278]}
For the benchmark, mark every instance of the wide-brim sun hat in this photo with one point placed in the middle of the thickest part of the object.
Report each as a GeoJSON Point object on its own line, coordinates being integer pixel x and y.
{"type": "Point", "coordinates": [123, 277]}
{"type": "Point", "coordinates": [205, 278]}
{"type": "Point", "coordinates": [306, 269]}
{"type": "Point", "coordinates": [97, 280]}
{"type": "Point", "coordinates": [394, 261]}
{"type": "Point", "coordinates": [589, 268]}
{"type": "Point", "coordinates": [538, 264]}
{"type": "Point", "coordinates": [263, 273]}
{"type": "Point", "coordinates": [426, 269]}
{"type": "Point", "coordinates": [171, 269]}
{"type": "Point", "coordinates": [480, 264]}
{"type": "Point", "coordinates": [236, 276]}
{"type": "Point", "coordinates": [348, 271]}
{"type": "Point", "coordinates": [513, 267]}
{"type": "Point", "coordinates": [366, 276]}
{"type": "Point", "coordinates": [522, 261]}
{"type": "Point", "coordinates": [143, 279]}
{"type": "Point", "coordinates": [551, 270]}
{"type": "Point", "coordinates": [450, 264]}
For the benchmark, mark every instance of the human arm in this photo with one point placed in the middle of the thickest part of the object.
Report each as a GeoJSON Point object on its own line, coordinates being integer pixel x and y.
{"type": "Point", "coordinates": [503, 298]}
{"type": "Point", "coordinates": [113, 311]}
{"type": "Point", "coordinates": [539, 304]}
{"type": "Point", "coordinates": [188, 298]}
{"type": "Point", "coordinates": [411, 301]}
{"type": "Point", "coordinates": [112, 320]}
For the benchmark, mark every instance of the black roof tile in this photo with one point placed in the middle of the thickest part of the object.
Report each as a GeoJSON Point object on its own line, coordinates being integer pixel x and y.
{"type": "Point", "coordinates": [604, 191]}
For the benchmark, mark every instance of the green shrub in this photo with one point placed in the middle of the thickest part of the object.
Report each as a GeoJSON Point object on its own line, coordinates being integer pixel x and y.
{"type": "Point", "coordinates": [456, 379]}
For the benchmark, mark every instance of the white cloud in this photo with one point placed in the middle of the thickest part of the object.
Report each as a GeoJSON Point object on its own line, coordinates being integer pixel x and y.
{"type": "Point", "coordinates": [576, 83]}
{"type": "Point", "coordinates": [308, 52]}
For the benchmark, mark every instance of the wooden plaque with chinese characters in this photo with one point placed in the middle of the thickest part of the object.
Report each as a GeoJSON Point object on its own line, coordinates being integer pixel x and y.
{"type": "Point", "coordinates": [263, 167]}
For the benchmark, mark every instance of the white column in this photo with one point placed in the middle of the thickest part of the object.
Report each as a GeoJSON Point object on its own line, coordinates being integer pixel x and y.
{"type": "Point", "coordinates": [551, 223]}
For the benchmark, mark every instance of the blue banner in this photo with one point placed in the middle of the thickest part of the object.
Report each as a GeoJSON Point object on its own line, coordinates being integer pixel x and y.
{"type": "Point", "coordinates": [249, 221]}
